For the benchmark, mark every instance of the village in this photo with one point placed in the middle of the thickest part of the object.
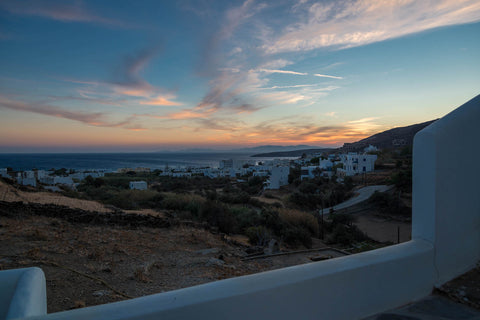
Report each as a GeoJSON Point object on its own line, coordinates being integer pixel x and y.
{"type": "Point", "coordinates": [276, 171]}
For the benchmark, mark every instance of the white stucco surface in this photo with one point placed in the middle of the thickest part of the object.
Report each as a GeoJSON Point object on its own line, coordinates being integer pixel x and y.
{"type": "Point", "coordinates": [22, 293]}
{"type": "Point", "coordinates": [446, 192]}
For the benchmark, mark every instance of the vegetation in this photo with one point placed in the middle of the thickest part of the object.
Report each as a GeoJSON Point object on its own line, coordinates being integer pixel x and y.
{"type": "Point", "coordinates": [320, 193]}
{"type": "Point", "coordinates": [388, 203]}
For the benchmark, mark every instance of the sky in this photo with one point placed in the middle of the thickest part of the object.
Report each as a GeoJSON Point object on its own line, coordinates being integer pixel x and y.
{"type": "Point", "coordinates": [108, 76]}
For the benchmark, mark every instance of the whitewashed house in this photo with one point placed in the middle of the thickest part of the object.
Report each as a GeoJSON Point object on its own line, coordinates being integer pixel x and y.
{"type": "Point", "coordinates": [309, 172]}
{"type": "Point", "coordinates": [260, 173]}
{"type": "Point", "coordinates": [278, 177]}
{"type": "Point", "coordinates": [27, 178]}
{"type": "Point", "coordinates": [370, 148]}
{"type": "Point", "coordinates": [138, 185]}
{"type": "Point", "coordinates": [41, 174]}
{"type": "Point", "coordinates": [66, 181]}
{"type": "Point", "coordinates": [325, 164]}
{"type": "Point", "coordinates": [4, 173]}
{"type": "Point", "coordinates": [357, 163]}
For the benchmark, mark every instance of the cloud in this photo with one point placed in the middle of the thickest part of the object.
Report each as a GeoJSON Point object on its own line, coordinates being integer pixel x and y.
{"type": "Point", "coordinates": [282, 71]}
{"type": "Point", "coordinates": [127, 76]}
{"type": "Point", "coordinates": [326, 76]}
{"type": "Point", "coordinates": [345, 24]}
{"type": "Point", "coordinates": [128, 82]}
{"type": "Point", "coordinates": [161, 101]}
{"type": "Point", "coordinates": [293, 86]}
{"type": "Point", "coordinates": [363, 120]}
{"type": "Point", "coordinates": [91, 118]}
{"type": "Point", "coordinates": [59, 11]}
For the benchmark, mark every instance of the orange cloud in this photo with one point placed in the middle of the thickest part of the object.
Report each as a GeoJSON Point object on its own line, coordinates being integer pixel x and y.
{"type": "Point", "coordinates": [161, 101]}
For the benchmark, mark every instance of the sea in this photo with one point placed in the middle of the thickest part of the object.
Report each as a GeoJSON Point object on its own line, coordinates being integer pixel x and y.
{"type": "Point", "coordinates": [114, 161]}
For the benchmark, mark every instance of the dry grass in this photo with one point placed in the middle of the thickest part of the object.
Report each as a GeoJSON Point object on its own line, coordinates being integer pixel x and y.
{"type": "Point", "coordinates": [299, 218]}
{"type": "Point", "coordinates": [11, 194]}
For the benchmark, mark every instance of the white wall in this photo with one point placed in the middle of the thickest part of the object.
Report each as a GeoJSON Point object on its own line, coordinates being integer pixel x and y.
{"type": "Point", "coordinates": [446, 192]}
{"type": "Point", "coordinates": [22, 293]}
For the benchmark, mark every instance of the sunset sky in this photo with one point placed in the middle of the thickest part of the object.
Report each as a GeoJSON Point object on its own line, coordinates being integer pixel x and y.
{"type": "Point", "coordinates": [168, 75]}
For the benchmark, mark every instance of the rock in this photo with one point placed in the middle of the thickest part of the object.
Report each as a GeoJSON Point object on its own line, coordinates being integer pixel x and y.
{"type": "Point", "coordinates": [101, 293]}
{"type": "Point", "coordinates": [215, 262]}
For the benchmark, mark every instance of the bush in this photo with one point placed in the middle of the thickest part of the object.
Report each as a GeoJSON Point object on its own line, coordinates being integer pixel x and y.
{"type": "Point", "coordinates": [296, 235]}
{"type": "Point", "coordinates": [300, 219]}
{"type": "Point", "coordinates": [234, 196]}
{"type": "Point", "coordinates": [245, 218]}
{"type": "Point", "coordinates": [388, 203]}
{"type": "Point", "coordinates": [217, 215]}
{"type": "Point", "coordinates": [182, 202]}
{"type": "Point", "coordinates": [258, 236]}
{"type": "Point", "coordinates": [135, 199]}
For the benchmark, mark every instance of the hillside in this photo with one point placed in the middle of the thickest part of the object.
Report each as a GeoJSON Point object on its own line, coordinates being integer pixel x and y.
{"type": "Point", "coordinates": [393, 138]}
{"type": "Point", "coordinates": [293, 153]}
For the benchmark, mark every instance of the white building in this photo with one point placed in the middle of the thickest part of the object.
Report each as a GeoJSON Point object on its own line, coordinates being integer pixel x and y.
{"type": "Point", "coordinates": [370, 148]}
{"type": "Point", "coordinates": [27, 178]}
{"type": "Point", "coordinates": [309, 172]}
{"type": "Point", "coordinates": [41, 174]}
{"type": "Point", "coordinates": [278, 177]}
{"type": "Point", "coordinates": [326, 164]}
{"type": "Point", "coordinates": [232, 164]}
{"type": "Point", "coordinates": [66, 181]}
{"type": "Point", "coordinates": [138, 185]}
{"type": "Point", "coordinates": [260, 173]}
{"type": "Point", "coordinates": [4, 173]}
{"type": "Point", "coordinates": [357, 163]}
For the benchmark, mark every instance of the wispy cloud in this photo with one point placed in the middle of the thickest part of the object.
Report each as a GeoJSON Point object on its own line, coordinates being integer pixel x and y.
{"type": "Point", "coordinates": [127, 76]}
{"type": "Point", "coordinates": [326, 76]}
{"type": "Point", "coordinates": [293, 86]}
{"type": "Point", "coordinates": [59, 10]}
{"type": "Point", "coordinates": [127, 82]}
{"type": "Point", "coordinates": [344, 24]}
{"type": "Point", "coordinates": [282, 71]}
{"type": "Point", "coordinates": [91, 118]}
{"type": "Point", "coordinates": [161, 101]}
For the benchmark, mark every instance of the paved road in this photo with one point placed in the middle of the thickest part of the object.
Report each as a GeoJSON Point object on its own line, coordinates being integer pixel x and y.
{"type": "Point", "coordinates": [360, 196]}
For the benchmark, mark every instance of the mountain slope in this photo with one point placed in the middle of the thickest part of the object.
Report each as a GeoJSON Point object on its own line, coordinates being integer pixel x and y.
{"type": "Point", "coordinates": [396, 137]}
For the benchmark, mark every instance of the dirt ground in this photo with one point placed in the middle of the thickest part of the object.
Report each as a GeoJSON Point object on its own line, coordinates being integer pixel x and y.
{"type": "Point", "coordinates": [87, 265]}
{"type": "Point", "coordinates": [383, 229]}
{"type": "Point", "coordinates": [464, 289]}
{"type": "Point", "coordinates": [10, 194]}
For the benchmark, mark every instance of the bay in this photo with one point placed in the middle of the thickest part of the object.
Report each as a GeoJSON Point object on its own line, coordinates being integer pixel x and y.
{"type": "Point", "coordinates": [114, 161]}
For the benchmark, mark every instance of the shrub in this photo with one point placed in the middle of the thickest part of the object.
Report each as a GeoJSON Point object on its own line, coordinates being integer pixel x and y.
{"type": "Point", "coordinates": [179, 202]}
{"type": "Point", "coordinates": [235, 197]}
{"type": "Point", "coordinates": [388, 203]}
{"type": "Point", "coordinates": [135, 199]}
{"type": "Point", "coordinates": [300, 219]}
{"type": "Point", "coordinates": [217, 215]}
{"type": "Point", "coordinates": [259, 236]}
{"type": "Point", "coordinates": [294, 235]}
{"type": "Point", "coordinates": [245, 218]}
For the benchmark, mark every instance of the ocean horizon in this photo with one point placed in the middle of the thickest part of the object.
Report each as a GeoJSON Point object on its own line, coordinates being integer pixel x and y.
{"type": "Point", "coordinates": [114, 161]}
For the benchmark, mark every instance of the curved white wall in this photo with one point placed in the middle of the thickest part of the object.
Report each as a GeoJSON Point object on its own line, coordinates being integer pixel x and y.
{"type": "Point", "coordinates": [446, 189]}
